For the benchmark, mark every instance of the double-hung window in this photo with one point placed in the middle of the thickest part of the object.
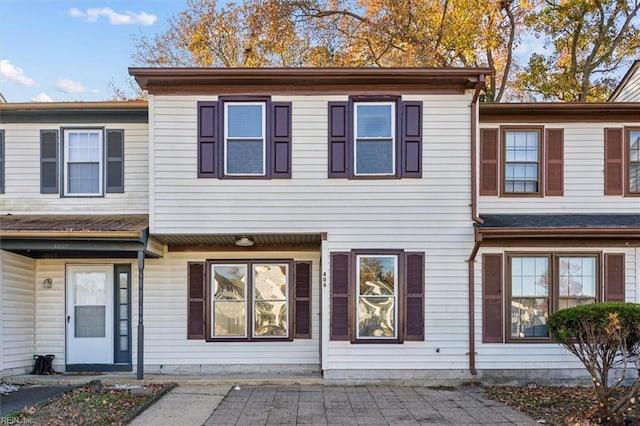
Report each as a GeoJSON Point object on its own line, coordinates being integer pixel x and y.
{"type": "Point", "coordinates": [540, 284]}
{"type": "Point", "coordinates": [634, 161]}
{"type": "Point", "coordinates": [250, 300]}
{"type": "Point", "coordinates": [522, 150]}
{"type": "Point", "coordinates": [83, 162]}
{"type": "Point", "coordinates": [377, 301]}
{"type": "Point", "coordinates": [375, 145]}
{"type": "Point", "coordinates": [244, 139]}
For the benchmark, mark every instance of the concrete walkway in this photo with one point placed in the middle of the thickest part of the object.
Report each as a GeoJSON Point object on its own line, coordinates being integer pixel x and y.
{"type": "Point", "coordinates": [327, 405]}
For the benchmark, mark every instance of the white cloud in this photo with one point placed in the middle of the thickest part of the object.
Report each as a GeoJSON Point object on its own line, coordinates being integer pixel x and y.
{"type": "Point", "coordinates": [9, 72]}
{"type": "Point", "coordinates": [115, 18]}
{"type": "Point", "coordinates": [42, 97]}
{"type": "Point", "coordinates": [69, 86]}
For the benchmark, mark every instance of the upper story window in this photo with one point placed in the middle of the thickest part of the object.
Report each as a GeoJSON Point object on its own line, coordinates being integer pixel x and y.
{"type": "Point", "coordinates": [244, 138]}
{"type": "Point", "coordinates": [86, 163]}
{"type": "Point", "coordinates": [634, 161]}
{"type": "Point", "coordinates": [375, 137]}
{"type": "Point", "coordinates": [375, 147]}
{"type": "Point", "coordinates": [522, 161]}
{"type": "Point", "coordinates": [83, 162]}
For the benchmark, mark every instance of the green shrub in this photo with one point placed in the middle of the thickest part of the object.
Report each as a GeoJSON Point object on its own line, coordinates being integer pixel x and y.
{"type": "Point", "coordinates": [604, 336]}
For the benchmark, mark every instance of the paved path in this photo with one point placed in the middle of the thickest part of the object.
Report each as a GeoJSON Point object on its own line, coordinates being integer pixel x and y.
{"type": "Point", "coordinates": [29, 395]}
{"type": "Point", "coordinates": [368, 405]}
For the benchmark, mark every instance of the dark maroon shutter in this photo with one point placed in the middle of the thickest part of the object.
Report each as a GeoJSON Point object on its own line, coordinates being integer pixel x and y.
{"type": "Point", "coordinates": [281, 140]}
{"type": "Point", "coordinates": [303, 300]}
{"type": "Point", "coordinates": [340, 270]}
{"type": "Point", "coordinates": [614, 277]}
{"type": "Point", "coordinates": [613, 162]}
{"type": "Point", "coordinates": [207, 138]}
{"type": "Point", "coordinates": [49, 161]}
{"type": "Point", "coordinates": [411, 139]}
{"type": "Point", "coordinates": [196, 301]}
{"type": "Point", "coordinates": [414, 307]}
{"type": "Point", "coordinates": [554, 162]}
{"type": "Point", "coordinates": [115, 160]}
{"type": "Point", "coordinates": [492, 298]}
{"type": "Point", "coordinates": [339, 143]}
{"type": "Point", "coordinates": [489, 166]}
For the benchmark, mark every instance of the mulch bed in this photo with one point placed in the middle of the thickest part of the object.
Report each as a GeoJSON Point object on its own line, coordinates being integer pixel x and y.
{"type": "Point", "coordinates": [94, 404]}
{"type": "Point", "coordinates": [555, 405]}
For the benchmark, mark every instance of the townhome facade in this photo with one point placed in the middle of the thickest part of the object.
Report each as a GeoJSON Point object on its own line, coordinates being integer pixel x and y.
{"type": "Point", "coordinates": [368, 224]}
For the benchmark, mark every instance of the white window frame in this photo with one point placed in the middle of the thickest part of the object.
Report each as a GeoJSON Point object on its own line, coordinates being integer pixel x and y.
{"type": "Point", "coordinates": [538, 162]}
{"type": "Point", "coordinates": [101, 163]}
{"type": "Point", "coordinates": [263, 107]}
{"type": "Point", "coordinates": [254, 299]}
{"type": "Point", "coordinates": [395, 296]}
{"type": "Point", "coordinates": [212, 302]}
{"type": "Point", "coordinates": [357, 137]}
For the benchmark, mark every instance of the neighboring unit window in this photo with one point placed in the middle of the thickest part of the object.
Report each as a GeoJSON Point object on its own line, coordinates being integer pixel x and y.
{"type": "Point", "coordinates": [544, 283]}
{"type": "Point", "coordinates": [374, 151]}
{"type": "Point", "coordinates": [250, 300]}
{"type": "Point", "coordinates": [244, 138]}
{"type": "Point", "coordinates": [83, 162]}
{"type": "Point", "coordinates": [634, 161]}
{"type": "Point", "coordinates": [377, 301]}
{"type": "Point", "coordinates": [522, 161]}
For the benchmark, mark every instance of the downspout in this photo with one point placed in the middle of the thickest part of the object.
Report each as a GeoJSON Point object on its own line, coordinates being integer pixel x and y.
{"type": "Point", "coordinates": [476, 219]}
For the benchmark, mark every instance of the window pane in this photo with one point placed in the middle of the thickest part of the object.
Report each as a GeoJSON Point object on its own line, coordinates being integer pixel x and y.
{"type": "Point", "coordinates": [84, 178]}
{"type": "Point", "coordinates": [229, 282]}
{"type": "Point", "coordinates": [89, 321]}
{"type": "Point", "coordinates": [376, 317]}
{"type": "Point", "coordinates": [124, 343]}
{"type": "Point", "coordinates": [83, 146]}
{"type": "Point", "coordinates": [271, 319]}
{"type": "Point", "coordinates": [374, 121]}
{"type": "Point", "coordinates": [374, 157]}
{"type": "Point", "coordinates": [124, 312]}
{"type": "Point", "coordinates": [522, 161]}
{"type": "Point", "coordinates": [529, 317]}
{"type": "Point", "coordinates": [634, 177]}
{"type": "Point", "coordinates": [634, 146]}
{"type": "Point", "coordinates": [244, 121]}
{"type": "Point", "coordinates": [529, 276]}
{"type": "Point", "coordinates": [270, 282]}
{"type": "Point", "coordinates": [229, 319]}
{"type": "Point", "coordinates": [245, 157]}
{"type": "Point", "coordinates": [578, 277]}
{"type": "Point", "coordinates": [377, 275]}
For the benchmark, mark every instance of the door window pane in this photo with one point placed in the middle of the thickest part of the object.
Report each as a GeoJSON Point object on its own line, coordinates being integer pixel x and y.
{"type": "Point", "coordinates": [89, 321]}
{"type": "Point", "coordinates": [377, 296]}
{"type": "Point", "coordinates": [90, 288]}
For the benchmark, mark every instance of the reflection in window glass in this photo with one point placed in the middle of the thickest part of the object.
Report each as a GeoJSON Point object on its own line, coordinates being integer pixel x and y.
{"type": "Point", "coordinates": [377, 296]}
{"type": "Point", "coordinates": [374, 138]}
{"type": "Point", "coordinates": [244, 138]}
{"type": "Point", "coordinates": [529, 296]}
{"type": "Point", "coordinates": [522, 168]}
{"type": "Point", "coordinates": [577, 281]}
{"type": "Point", "coordinates": [270, 300]}
{"type": "Point", "coordinates": [228, 300]}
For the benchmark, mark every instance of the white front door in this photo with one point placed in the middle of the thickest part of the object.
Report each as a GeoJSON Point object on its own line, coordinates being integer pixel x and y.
{"type": "Point", "coordinates": [90, 314]}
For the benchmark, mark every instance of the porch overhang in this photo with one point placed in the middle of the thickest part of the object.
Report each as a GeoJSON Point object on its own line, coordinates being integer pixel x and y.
{"type": "Point", "coordinates": [227, 242]}
{"type": "Point", "coordinates": [76, 236]}
{"type": "Point", "coordinates": [620, 228]}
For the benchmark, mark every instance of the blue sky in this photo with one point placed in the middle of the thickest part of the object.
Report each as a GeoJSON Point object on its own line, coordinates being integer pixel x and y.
{"type": "Point", "coordinates": [70, 50]}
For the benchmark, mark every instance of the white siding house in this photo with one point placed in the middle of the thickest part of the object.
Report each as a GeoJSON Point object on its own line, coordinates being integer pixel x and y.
{"type": "Point", "coordinates": [629, 88]}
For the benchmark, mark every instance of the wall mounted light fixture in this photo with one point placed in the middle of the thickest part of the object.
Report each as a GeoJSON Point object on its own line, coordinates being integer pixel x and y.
{"type": "Point", "coordinates": [244, 242]}
{"type": "Point", "coordinates": [47, 283]}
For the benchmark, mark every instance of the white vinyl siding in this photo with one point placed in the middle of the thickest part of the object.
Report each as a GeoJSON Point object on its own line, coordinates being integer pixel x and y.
{"type": "Point", "coordinates": [429, 215]}
{"type": "Point", "coordinates": [17, 322]}
{"type": "Point", "coordinates": [166, 342]}
{"type": "Point", "coordinates": [631, 90]}
{"type": "Point", "coordinates": [22, 185]}
{"type": "Point", "coordinates": [583, 177]}
{"type": "Point", "coordinates": [518, 356]}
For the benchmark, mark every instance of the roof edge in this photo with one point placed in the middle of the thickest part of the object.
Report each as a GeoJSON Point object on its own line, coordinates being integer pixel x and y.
{"type": "Point", "coordinates": [623, 82]}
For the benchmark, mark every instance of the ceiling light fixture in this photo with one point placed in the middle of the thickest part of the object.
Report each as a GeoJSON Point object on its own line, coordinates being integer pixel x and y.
{"type": "Point", "coordinates": [244, 241]}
